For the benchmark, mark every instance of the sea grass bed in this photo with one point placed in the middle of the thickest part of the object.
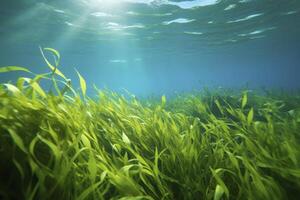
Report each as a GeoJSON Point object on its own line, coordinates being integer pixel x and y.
{"type": "Point", "coordinates": [61, 144]}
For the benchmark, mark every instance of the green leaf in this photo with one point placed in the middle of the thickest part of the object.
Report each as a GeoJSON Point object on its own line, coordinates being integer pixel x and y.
{"type": "Point", "coordinates": [12, 89]}
{"type": "Point", "coordinates": [218, 192]}
{"type": "Point", "coordinates": [92, 166]}
{"type": "Point", "coordinates": [53, 68]}
{"type": "Point", "coordinates": [57, 153]}
{"type": "Point", "coordinates": [125, 138]}
{"type": "Point", "coordinates": [36, 87]}
{"type": "Point", "coordinates": [219, 106]}
{"type": "Point", "coordinates": [85, 141]}
{"type": "Point", "coordinates": [20, 83]}
{"type": "Point", "coordinates": [125, 185]}
{"type": "Point", "coordinates": [55, 52]}
{"type": "Point", "coordinates": [82, 83]}
{"type": "Point", "coordinates": [250, 116]}
{"type": "Point", "coordinates": [12, 68]}
{"type": "Point", "coordinates": [156, 156]}
{"type": "Point", "coordinates": [88, 191]}
{"type": "Point", "coordinates": [163, 100]}
{"type": "Point", "coordinates": [220, 181]}
{"type": "Point", "coordinates": [17, 140]}
{"type": "Point", "coordinates": [244, 100]}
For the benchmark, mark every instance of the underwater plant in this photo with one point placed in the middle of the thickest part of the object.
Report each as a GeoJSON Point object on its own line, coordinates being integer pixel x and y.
{"type": "Point", "coordinates": [61, 144]}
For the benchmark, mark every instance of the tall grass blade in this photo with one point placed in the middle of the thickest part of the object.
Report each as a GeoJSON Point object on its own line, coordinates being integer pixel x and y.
{"type": "Point", "coordinates": [12, 68]}
{"type": "Point", "coordinates": [82, 84]}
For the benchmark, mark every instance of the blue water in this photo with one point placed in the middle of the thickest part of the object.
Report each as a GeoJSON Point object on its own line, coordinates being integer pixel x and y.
{"type": "Point", "coordinates": [157, 47]}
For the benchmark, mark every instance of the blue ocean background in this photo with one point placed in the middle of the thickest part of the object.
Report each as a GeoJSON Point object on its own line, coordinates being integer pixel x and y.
{"type": "Point", "coordinates": [157, 47]}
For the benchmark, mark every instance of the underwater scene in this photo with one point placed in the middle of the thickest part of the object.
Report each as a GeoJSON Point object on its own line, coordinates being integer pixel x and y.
{"type": "Point", "coordinates": [150, 99]}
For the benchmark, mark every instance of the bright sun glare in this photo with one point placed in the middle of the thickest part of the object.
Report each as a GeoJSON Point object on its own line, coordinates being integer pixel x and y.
{"type": "Point", "coordinates": [106, 3]}
{"type": "Point", "coordinates": [186, 4]}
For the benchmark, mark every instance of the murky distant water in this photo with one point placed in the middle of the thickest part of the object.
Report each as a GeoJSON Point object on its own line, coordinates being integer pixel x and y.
{"type": "Point", "coordinates": [158, 46]}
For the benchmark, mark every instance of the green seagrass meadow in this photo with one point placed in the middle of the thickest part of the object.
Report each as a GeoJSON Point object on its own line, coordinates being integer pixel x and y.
{"type": "Point", "coordinates": [58, 143]}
